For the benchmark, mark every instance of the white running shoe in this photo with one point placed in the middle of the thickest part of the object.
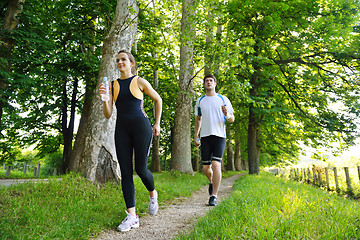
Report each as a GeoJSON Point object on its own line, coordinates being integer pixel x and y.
{"type": "Point", "coordinates": [153, 204]}
{"type": "Point", "coordinates": [129, 222]}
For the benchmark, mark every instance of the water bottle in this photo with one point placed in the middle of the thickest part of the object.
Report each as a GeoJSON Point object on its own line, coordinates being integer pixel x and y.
{"type": "Point", "coordinates": [105, 97]}
{"type": "Point", "coordinates": [198, 141]}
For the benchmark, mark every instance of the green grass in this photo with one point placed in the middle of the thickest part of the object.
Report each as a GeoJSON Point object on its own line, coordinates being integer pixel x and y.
{"type": "Point", "coordinates": [268, 207]}
{"type": "Point", "coordinates": [73, 208]}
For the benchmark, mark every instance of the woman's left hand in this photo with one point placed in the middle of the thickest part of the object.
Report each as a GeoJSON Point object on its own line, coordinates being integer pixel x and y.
{"type": "Point", "coordinates": [156, 130]}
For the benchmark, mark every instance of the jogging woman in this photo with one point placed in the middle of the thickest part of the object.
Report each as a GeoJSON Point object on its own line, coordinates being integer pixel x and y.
{"type": "Point", "coordinates": [133, 132]}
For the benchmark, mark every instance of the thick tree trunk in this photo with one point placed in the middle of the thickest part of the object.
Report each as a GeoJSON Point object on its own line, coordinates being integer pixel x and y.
{"type": "Point", "coordinates": [10, 23]}
{"type": "Point", "coordinates": [237, 154]}
{"type": "Point", "coordinates": [94, 150]}
{"type": "Point", "coordinates": [229, 151]}
{"type": "Point", "coordinates": [181, 148]}
{"type": "Point", "coordinates": [244, 164]}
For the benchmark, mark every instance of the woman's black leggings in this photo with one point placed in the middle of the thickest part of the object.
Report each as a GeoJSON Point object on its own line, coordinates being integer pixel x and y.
{"type": "Point", "coordinates": [133, 135]}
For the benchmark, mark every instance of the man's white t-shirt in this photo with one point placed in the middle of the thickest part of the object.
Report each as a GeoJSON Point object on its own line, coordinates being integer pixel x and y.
{"type": "Point", "coordinates": [212, 117]}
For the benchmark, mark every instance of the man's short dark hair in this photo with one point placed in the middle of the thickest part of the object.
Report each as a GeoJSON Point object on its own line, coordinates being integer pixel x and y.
{"type": "Point", "coordinates": [209, 76]}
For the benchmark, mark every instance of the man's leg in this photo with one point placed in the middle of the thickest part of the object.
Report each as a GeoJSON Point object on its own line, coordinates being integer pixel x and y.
{"type": "Point", "coordinates": [216, 179]}
{"type": "Point", "coordinates": [218, 151]}
{"type": "Point", "coordinates": [208, 172]}
{"type": "Point", "coordinates": [206, 152]}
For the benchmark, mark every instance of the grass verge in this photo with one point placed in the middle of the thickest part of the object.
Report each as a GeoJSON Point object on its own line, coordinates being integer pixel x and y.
{"type": "Point", "coordinates": [73, 208]}
{"type": "Point", "coordinates": [267, 207]}
{"type": "Point", "coordinates": [14, 174]}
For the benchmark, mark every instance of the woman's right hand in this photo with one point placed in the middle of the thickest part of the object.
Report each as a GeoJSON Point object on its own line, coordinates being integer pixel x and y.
{"type": "Point", "coordinates": [102, 89]}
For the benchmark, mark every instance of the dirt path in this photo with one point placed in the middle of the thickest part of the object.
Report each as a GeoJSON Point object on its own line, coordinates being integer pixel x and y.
{"type": "Point", "coordinates": [177, 217]}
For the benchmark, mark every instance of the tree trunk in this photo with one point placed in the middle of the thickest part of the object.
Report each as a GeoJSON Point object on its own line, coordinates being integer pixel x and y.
{"type": "Point", "coordinates": [244, 164]}
{"type": "Point", "coordinates": [68, 129]}
{"type": "Point", "coordinates": [10, 23]}
{"type": "Point", "coordinates": [155, 152]}
{"type": "Point", "coordinates": [195, 159]}
{"type": "Point", "coordinates": [253, 154]}
{"type": "Point", "coordinates": [237, 155]}
{"type": "Point", "coordinates": [229, 151]}
{"type": "Point", "coordinates": [208, 54]}
{"type": "Point", "coordinates": [254, 119]}
{"type": "Point", "coordinates": [212, 58]}
{"type": "Point", "coordinates": [217, 56]}
{"type": "Point", "coordinates": [155, 155]}
{"type": "Point", "coordinates": [181, 148]}
{"type": "Point", "coordinates": [94, 150]}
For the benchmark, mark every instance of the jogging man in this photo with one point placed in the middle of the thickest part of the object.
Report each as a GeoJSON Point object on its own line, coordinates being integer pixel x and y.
{"type": "Point", "coordinates": [211, 112]}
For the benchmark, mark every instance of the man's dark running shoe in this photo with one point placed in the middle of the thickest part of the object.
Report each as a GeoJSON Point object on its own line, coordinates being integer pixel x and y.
{"type": "Point", "coordinates": [210, 189]}
{"type": "Point", "coordinates": [213, 201]}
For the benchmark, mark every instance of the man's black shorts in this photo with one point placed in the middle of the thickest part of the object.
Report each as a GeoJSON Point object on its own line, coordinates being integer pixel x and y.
{"type": "Point", "coordinates": [212, 149]}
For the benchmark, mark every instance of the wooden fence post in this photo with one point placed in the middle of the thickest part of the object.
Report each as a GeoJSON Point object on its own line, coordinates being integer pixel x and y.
{"type": "Point", "coordinates": [55, 171]}
{"type": "Point", "coordinates": [34, 175]}
{"type": "Point", "coordinates": [298, 174]}
{"type": "Point", "coordinates": [336, 180]}
{"type": "Point", "coordinates": [8, 169]}
{"type": "Point", "coordinates": [25, 165]}
{"type": "Point", "coordinates": [304, 174]}
{"type": "Point", "coordinates": [319, 178]}
{"type": "Point", "coordinates": [309, 175]}
{"type": "Point", "coordinates": [327, 178]}
{"type": "Point", "coordinates": [358, 167]}
{"type": "Point", "coordinates": [4, 167]}
{"type": "Point", "coordinates": [38, 170]}
{"type": "Point", "coordinates": [348, 180]}
{"type": "Point", "coordinates": [314, 175]}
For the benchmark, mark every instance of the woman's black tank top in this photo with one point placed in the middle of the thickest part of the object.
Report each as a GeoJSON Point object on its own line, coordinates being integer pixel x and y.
{"type": "Point", "coordinates": [128, 107]}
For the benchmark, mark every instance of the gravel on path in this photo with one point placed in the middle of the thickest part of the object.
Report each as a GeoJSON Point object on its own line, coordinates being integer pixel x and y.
{"type": "Point", "coordinates": [8, 182]}
{"type": "Point", "coordinates": [177, 217]}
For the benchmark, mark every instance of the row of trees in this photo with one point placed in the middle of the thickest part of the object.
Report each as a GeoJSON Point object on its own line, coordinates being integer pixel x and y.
{"type": "Point", "coordinates": [290, 68]}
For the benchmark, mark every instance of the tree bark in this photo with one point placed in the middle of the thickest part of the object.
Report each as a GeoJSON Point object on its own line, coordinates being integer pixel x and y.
{"type": "Point", "coordinates": [68, 129]}
{"type": "Point", "coordinates": [94, 149]}
{"type": "Point", "coordinates": [196, 159]}
{"type": "Point", "coordinates": [229, 151]}
{"type": "Point", "coordinates": [252, 143]}
{"type": "Point", "coordinates": [208, 43]}
{"type": "Point", "coordinates": [155, 150]}
{"type": "Point", "coordinates": [237, 154]}
{"type": "Point", "coordinates": [155, 155]}
{"type": "Point", "coordinates": [181, 148]}
{"type": "Point", "coordinates": [254, 119]}
{"type": "Point", "coordinates": [10, 23]}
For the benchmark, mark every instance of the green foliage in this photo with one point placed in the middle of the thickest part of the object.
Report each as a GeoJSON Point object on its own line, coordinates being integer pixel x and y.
{"type": "Point", "coordinates": [52, 161]}
{"type": "Point", "coordinates": [55, 58]}
{"type": "Point", "coordinates": [302, 62]}
{"type": "Point", "coordinates": [300, 58]}
{"type": "Point", "coordinates": [266, 207]}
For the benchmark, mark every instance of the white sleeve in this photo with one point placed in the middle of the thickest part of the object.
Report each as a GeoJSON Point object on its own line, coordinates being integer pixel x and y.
{"type": "Point", "coordinates": [228, 105]}
{"type": "Point", "coordinates": [196, 107]}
